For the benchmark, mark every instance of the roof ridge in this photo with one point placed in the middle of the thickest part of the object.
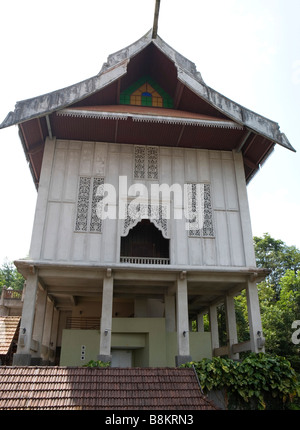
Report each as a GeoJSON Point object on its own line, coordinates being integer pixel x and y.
{"type": "Point", "coordinates": [116, 67]}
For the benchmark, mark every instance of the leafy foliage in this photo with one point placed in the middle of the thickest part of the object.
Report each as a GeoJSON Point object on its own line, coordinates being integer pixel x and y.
{"type": "Point", "coordinates": [279, 315]}
{"type": "Point", "coordinates": [279, 295]}
{"type": "Point", "coordinates": [97, 363]}
{"type": "Point", "coordinates": [275, 255]}
{"type": "Point", "coordinates": [10, 277]}
{"type": "Point", "coordinates": [260, 381]}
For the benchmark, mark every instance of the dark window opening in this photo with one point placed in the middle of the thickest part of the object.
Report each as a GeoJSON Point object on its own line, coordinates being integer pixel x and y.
{"type": "Point", "coordinates": [145, 240]}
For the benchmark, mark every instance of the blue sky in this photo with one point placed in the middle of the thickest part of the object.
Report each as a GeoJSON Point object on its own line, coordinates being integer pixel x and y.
{"type": "Point", "coordinates": [248, 51]}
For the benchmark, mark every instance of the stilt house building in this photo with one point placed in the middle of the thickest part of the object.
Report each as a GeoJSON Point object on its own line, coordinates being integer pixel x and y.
{"type": "Point", "coordinates": [142, 222]}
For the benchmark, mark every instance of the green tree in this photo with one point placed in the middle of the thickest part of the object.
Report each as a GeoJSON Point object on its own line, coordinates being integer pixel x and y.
{"type": "Point", "coordinates": [10, 277]}
{"type": "Point", "coordinates": [285, 311]}
{"type": "Point", "coordinates": [279, 295]}
{"type": "Point", "coordinates": [275, 255]}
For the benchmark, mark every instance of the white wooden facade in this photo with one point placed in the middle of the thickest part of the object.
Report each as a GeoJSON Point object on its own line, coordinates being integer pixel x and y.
{"type": "Point", "coordinates": [55, 237]}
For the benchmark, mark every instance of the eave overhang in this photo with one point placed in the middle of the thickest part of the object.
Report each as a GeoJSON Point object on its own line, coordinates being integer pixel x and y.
{"type": "Point", "coordinates": [148, 114]}
{"type": "Point", "coordinates": [89, 110]}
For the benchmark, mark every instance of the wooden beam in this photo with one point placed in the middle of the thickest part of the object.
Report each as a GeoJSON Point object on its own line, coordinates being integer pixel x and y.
{"type": "Point", "coordinates": [38, 147]}
{"type": "Point", "coordinates": [178, 94]}
{"type": "Point", "coordinates": [243, 141]}
{"type": "Point", "coordinates": [180, 135]}
{"type": "Point", "coordinates": [49, 126]}
{"type": "Point", "coordinates": [242, 346]}
{"type": "Point", "coordinates": [249, 144]}
{"type": "Point", "coordinates": [266, 153]}
{"type": "Point", "coordinates": [40, 129]}
{"type": "Point", "coordinates": [250, 163]}
{"type": "Point", "coordinates": [222, 350]}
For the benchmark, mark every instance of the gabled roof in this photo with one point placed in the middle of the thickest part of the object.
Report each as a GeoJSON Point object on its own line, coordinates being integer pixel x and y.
{"type": "Point", "coordinates": [73, 388]}
{"type": "Point", "coordinates": [8, 328]}
{"type": "Point", "coordinates": [90, 110]}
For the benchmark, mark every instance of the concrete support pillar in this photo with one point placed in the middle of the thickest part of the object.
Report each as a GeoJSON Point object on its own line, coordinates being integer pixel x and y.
{"type": "Point", "coordinates": [47, 332]}
{"type": "Point", "coordinates": [53, 337]}
{"type": "Point", "coordinates": [38, 327]}
{"type": "Point", "coordinates": [2, 295]}
{"type": "Point", "coordinates": [106, 318]}
{"type": "Point", "coordinates": [200, 322]}
{"type": "Point", "coordinates": [4, 311]}
{"type": "Point", "coordinates": [256, 335]}
{"type": "Point", "coordinates": [214, 331]}
{"type": "Point", "coordinates": [23, 355]}
{"type": "Point", "coordinates": [183, 342]}
{"type": "Point", "coordinates": [231, 326]}
{"type": "Point", "coordinates": [170, 313]}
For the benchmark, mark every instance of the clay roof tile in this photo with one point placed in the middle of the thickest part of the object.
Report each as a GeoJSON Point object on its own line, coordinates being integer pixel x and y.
{"type": "Point", "coordinates": [92, 388]}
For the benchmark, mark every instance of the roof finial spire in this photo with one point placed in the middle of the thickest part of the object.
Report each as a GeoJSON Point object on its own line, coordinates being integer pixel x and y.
{"type": "Point", "coordinates": [155, 21]}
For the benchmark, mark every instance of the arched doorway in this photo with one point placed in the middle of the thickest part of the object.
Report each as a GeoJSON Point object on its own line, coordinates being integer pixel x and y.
{"type": "Point", "coordinates": [145, 240]}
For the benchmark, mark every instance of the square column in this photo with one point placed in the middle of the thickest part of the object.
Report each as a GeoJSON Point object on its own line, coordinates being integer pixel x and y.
{"type": "Point", "coordinates": [53, 337]}
{"type": "Point", "coordinates": [47, 332]}
{"type": "Point", "coordinates": [23, 355]}
{"type": "Point", "coordinates": [106, 318]}
{"type": "Point", "coordinates": [256, 334]}
{"type": "Point", "coordinates": [183, 341]}
{"type": "Point", "coordinates": [214, 330]}
{"type": "Point", "coordinates": [231, 326]}
{"type": "Point", "coordinates": [170, 317]}
{"type": "Point", "coordinates": [3, 309]}
{"type": "Point", "coordinates": [200, 322]}
{"type": "Point", "coordinates": [39, 326]}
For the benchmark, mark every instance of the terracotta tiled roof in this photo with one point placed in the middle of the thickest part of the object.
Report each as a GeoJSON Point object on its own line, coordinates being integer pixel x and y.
{"type": "Point", "coordinates": [103, 389]}
{"type": "Point", "coordinates": [8, 328]}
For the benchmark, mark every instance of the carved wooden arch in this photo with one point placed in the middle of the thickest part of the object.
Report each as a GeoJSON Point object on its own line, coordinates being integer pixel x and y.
{"type": "Point", "coordinates": [157, 214]}
{"type": "Point", "coordinates": [145, 240]}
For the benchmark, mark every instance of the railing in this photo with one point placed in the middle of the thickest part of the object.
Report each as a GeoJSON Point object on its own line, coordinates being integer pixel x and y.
{"type": "Point", "coordinates": [11, 294]}
{"type": "Point", "coordinates": [144, 260]}
{"type": "Point", "coordinates": [83, 323]}
{"type": "Point", "coordinates": [236, 348]}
